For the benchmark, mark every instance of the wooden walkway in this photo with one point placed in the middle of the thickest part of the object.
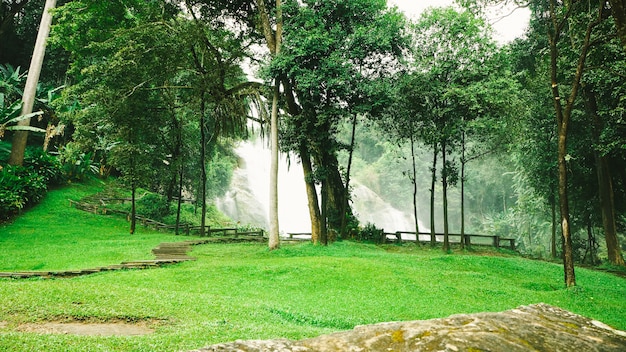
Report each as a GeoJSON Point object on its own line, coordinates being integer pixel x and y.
{"type": "Point", "coordinates": [166, 253]}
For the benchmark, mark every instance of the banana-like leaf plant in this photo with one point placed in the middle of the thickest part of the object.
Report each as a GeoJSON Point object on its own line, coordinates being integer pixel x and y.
{"type": "Point", "coordinates": [10, 115]}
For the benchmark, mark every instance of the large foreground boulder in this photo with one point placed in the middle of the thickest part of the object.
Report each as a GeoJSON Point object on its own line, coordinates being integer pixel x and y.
{"type": "Point", "coordinates": [538, 327]}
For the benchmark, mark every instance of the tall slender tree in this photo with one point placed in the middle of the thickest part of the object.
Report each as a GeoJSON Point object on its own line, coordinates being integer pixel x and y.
{"type": "Point", "coordinates": [559, 18]}
{"type": "Point", "coordinates": [30, 91]}
{"type": "Point", "coordinates": [618, 9]}
{"type": "Point", "coordinates": [452, 49]}
{"type": "Point", "coordinates": [273, 37]}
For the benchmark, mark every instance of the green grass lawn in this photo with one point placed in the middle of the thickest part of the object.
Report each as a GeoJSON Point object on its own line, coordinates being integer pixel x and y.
{"type": "Point", "coordinates": [243, 291]}
{"type": "Point", "coordinates": [53, 236]}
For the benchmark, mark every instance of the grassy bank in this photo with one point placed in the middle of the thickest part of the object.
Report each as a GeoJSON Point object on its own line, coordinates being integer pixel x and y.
{"type": "Point", "coordinates": [53, 236]}
{"type": "Point", "coordinates": [243, 291]}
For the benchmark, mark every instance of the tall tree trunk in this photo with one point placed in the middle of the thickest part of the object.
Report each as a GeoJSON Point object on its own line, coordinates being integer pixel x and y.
{"type": "Point", "coordinates": [444, 185]}
{"type": "Point", "coordinates": [176, 160]}
{"type": "Point", "coordinates": [414, 182]}
{"type": "Point", "coordinates": [563, 115]}
{"type": "Point", "coordinates": [605, 184]}
{"type": "Point", "coordinates": [562, 123]}
{"type": "Point", "coordinates": [273, 40]}
{"type": "Point", "coordinates": [331, 192]}
{"type": "Point", "coordinates": [133, 207]}
{"type": "Point", "coordinates": [314, 209]}
{"type": "Point", "coordinates": [180, 197]}
{"type": "Point", "coordinates": [171, 187]}
{"type": "Point", "coordinates": [591, 249]}
{"type": "Point", "coordinates": [203, 175]}
{"type": "Point", "coordinates": [433, 182]}
{"type": "Point", "coordinates": [344, 208]}
{"type": "Point", "coordinates": [568, 254]}
{"type": "Point", "coordinates": [336, 191]}
{"type": "Point", "coordinates": [132, 172]}
{"type": "Point", "coordinates": [324, 217]}
{"type": "Point", "coordinates": [463, 162]}
{"type": "Point", "coordinates": [180, 165]}
{"type": "Point", "coordinates": [30, 90]}
{"type": "Point", "coordinates": [553, 211]}
{"type": "Point", "coordinates": [618, 9]}
{"type": "Point", "coordinates": [274, 239]}
{"type": "Point", "coordinates": [326, 160]}
{"type": "Point", "coordinates": [607, 203]}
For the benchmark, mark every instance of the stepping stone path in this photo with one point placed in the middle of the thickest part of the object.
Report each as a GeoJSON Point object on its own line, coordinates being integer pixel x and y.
{"type": "Point", "coordinates": [166, 253]}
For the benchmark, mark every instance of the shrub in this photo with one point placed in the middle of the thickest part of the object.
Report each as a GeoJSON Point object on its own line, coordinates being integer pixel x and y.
{"type": "Point", "coordinates": [75, 163]}
{"type": "Point", "coordinates": [191, 214]}
{"type": "Point", "coordinates": [44, 164]}
{"type": "Point", "coordinates": [5, 150]}
{"type": "Point", "coordinates": [153, 206]}
{"type": "Point", "coordinates": [19, 187]}
{"type": "Point", "coordinates": [370, 233]}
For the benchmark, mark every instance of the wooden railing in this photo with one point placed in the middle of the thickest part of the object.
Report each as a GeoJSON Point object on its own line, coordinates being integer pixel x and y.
{"type": "Point", "coordinates": [186, 228]}
{"type": "Point", "coordinates": [426, 237]}
{"type": "Point", "coordinates": [386, 237]}
{"type": "Point", "coordinates": [423, 237]}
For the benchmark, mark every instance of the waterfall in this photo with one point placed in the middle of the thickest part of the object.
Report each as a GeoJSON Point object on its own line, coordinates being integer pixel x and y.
{"type": "Point", "coordinates": [247, 200]}
{"type": "Point", "coordinates": [371, 208]}
{"type": "Point", "coordinates": [248, 197]}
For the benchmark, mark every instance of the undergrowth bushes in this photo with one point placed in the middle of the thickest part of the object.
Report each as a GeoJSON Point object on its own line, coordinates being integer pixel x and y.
{"type": "Point", "coordinates": [370, 233]}
{"type": "Point", "coordinates": [21, 186]}
{"type": "Point", "coordinates": [153, 206]}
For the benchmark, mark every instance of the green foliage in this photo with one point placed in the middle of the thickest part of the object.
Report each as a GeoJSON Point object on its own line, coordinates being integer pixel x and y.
{"type": "Point", "coordinates": [534, 136]}
{"type": "Point", "coordinates": [5, 151]}
{"type": "Point", "coordinates": [22, 186]}
{"type": "Point", "coordinates": [153, 206]}
{"type": "Point", "coordinates": [11, 82]}
{"type": "Point", "coordinates": [333, 59]}
{"type": "Point", "coordinates": [220, 171]}
{"type": "Point", "coordinates": [20, 24]}
{"type": "Point", "coordinates": [75, 163]}
{"type": "Point", "coordinates": [44, 164]}
{"type": "Point", "coordinates": [370, 233]}
{"type": "Point", "coordinates": [191, 214]}
{"type": "Point", "coordinates": [11, 86]}
{"type": "Point", "coordinates": [19, 187]}
{"type": "Point", "coordinates": [138, 115]}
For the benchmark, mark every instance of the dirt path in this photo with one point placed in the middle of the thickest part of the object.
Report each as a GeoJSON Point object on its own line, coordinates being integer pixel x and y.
{"type": "Point", "coordinates": [92, 329]}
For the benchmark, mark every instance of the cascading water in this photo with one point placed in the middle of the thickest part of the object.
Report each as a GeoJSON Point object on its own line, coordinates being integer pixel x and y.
{"type": "Point", "coordinates": [371, 208]}
{"type": "Point", "coordinates": [248, 198]}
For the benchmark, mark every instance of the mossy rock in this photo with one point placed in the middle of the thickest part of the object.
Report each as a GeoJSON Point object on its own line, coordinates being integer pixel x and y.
{"type": "Point", "coordinates": [538, 327]}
